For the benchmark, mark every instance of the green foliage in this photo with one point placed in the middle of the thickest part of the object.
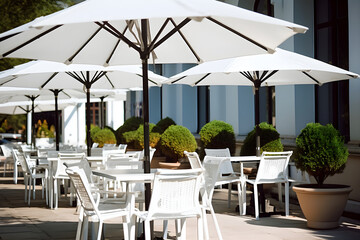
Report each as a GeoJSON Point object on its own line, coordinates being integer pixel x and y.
{"type": "Point", "coordinates": [43, 130]}
{"type": "Point", "coordinates": [130, 124]}
{"type": "Point", "coordinates": [93, 130]}
{"type": "Point", "coordinates": [104, 136]}
{"type": "Point", "coordinates": [175, 140]}
{"type": "Point", "coordinates": [13, 123]}
{"type": "Point", "coordinates": [16, 13]}
{"type": "Point", "coordinates": [269, 140]}
{"type": "Point", "coordinates": [135, 139]}
{"type": "Point", "coordinates": [320, 151]}
{"type": "Point", "coordinates": [217, 134]}
{"type": "Point", "coordinates": [163, 124]}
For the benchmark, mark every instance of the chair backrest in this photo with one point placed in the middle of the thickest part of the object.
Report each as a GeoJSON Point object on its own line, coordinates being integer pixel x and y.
{"type": "Point", "coordinates": [20, 158]}
{"type": "Point", "coordinates": [94, 145]}
{"type": "Point", "coordinates": [226, 167]}
{"type": "Point", "coordinates": [152, 152]}
{"type": "Point", "coordinates": [82, 187]}
{"type": "Point", "coordinates": [273, 166]}
{"type": "Point", "coordinates": [7, 151]}
{"type": "Point", "coordinates": [67, 158]}
{"type": "Point", "coordinates": [122, 147]}
{"type": "Point", "coordinates": [194, 159]}
{"type": "Point", "coordinates": [84, 165]}
{"type": "Point", "coordinates": [175, 194]}
{"type": "Point", "coordinates": [212, 170]}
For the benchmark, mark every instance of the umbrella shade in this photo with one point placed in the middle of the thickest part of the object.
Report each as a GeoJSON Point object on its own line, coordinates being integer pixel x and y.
{"type": "Point", "coordinates": [54, 75]}
{"type": "Point", "coordinates": [23, 107]}
{"type": "Point", "coordinates": [111, 32]}
{"type": "Point", "coordinates": [179, 31]}
{"type": "Point", "coordinates": [281, 68]}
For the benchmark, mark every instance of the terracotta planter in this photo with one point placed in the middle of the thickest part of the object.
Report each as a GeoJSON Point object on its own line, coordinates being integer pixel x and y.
{"type": "Point", "coordinates": [322, 207]}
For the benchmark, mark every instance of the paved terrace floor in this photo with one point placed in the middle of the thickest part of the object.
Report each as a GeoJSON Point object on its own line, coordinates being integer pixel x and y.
{"type": "Point", "coordinates": [19, 221]}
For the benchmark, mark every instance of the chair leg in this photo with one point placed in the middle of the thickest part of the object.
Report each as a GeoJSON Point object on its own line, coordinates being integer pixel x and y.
{"type": "Point", "coordinates": [165, 229]}
{"type": "Point", "coordinates": [256, 202]}
{"type": "Point", "coordinates": [287, 199]}
{"type": "Point", "coordinates": [26, 186]}
{"type": "Point", "coordinates": [101, 223]}
{"type": "Point", "coordinates": [200, 229]}
{"type": "Point", "coordinates": [215, 222]}
{"type": "Point", "coordinates": [279, 192]}
{"type": "Point", "coordinates": [229, 194]}
{"type": "Point", "coordinates": [29, 192]}
{"type": "Point", "coordinates": [205, 223]}
{"type": "Point", "coordinates": [80, 224]}
{"type": "Point", "coordinates": [181, 228]}
{"type": "Point", "coordinates": [147, 230]}
{"type": "Point", "coordinates": [243, 200]}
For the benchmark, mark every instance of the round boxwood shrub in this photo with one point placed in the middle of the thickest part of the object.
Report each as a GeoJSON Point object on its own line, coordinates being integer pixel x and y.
{"type": "Point", "coordinates": [269, 141]}
{"type": "Point", "coordinates": [163, 124]}
{"type": "Point", "coordinates": [135, 139]}
{"type": "Point", "coordinates": [104, 136]}
{"type": "Point", "coordinates": [217, 134]}
{"type": "Point", "coordinates": [93, 130]}
{"type": "Point", "coordinates": [320, 151]}
{"type": "Point", "coordinates": [175, 140]}
{"type": "Point", "coordinates": [130, 124]}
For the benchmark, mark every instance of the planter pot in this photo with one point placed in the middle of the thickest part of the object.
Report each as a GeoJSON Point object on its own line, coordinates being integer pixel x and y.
{"type": "Point", "coordinates": [324, 206]}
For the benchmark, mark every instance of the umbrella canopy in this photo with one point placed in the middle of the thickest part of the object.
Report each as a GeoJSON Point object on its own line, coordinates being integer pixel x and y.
{"type": "Point", "coordinates": [110, 32]}
{"type": "Point", "coordinates": [101, 31]}
{"type": "Point", "coordinates": [57, 76]}
{"type": "Point", "coordinates": [280, 68]}
{"type": "Point", "coordinates": [24, 107]}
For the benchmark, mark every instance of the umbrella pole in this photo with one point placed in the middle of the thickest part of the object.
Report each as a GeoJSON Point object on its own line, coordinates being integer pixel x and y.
{"type": "Point", "coordinates": [144, 57]}
{"type": "Point", "coordinates": [88, 138]}
{"type": "Point", "coordinates": [257, 115]}
{"type": "Point", "coordinates": [57, 132]}
{"type": "Point", "coordinates": [102, 112]}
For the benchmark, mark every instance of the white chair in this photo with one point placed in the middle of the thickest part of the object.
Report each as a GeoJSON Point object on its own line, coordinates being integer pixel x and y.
{"type": "Point", "coordinates": [60, 173]}
{"type": "Point", "coordinates": [175, 196]}
{"type": "Point", "coordinates": [122, 147]}
{"type": "Point", "coordinates": [31, 173]}
{"type": "Point", "coordinates": [211, 166]}
{"type": "Point", "coordinates": [226, 174]}
{"type": "Point", "coordinates": [93, 209]}
{"type": "Point", "coordinates": [273, 168]}
{"type": "Point", "coordinates": [8, 158]}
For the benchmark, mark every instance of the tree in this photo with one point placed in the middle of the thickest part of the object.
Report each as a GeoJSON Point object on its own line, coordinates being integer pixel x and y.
{"type": "Point", "coordinates": [18, 12]}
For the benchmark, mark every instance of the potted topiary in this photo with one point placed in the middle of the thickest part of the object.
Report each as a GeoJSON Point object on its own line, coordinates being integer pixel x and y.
{"type": "Point", "coordinates": [321, 153]}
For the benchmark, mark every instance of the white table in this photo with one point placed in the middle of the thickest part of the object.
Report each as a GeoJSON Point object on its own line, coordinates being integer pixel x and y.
{"type": "Point", "coordinates": [244, 159]}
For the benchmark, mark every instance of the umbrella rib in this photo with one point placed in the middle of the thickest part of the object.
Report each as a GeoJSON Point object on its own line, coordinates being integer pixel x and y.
{"type": "Point", "coordinates": [31, 40]}
{"type": "Point", "coordinates": [116, 45]}
{"type": "Point", "coordinates": [206, 75]}
{"type": "Point", "coordinates": [7, 81]}
{"type": "Point", "coordinates": [269, 75]}
{"type": "Point", "coordinates": [158, 34]}
{"type": "Point", "coordinates": [237, 33]}
{"type": "Point", "coordinates": [97, 76]}
{"type": "Point", "coordinates": [84, 45]}
{"type": "Point", "coordinates": [107, 77]}
{"type": "Point", "coordinates": [172, 32]}
{"type": "Point", "coordinates": [187, 42]}
{"type": "Point", "coordinates": [76, 77]}
{"type": "Point", "coordinates": [47, 81]}
{"type": "Point", "coordinates": [108, 27]}
{"type": "Point", "coordinates": [312, 78]}
{"type": "Point", "coordinates": [248, 76]}
{"type": "Point", "coordinates": [175, 81]}
{"type": "Point", "coordinates": [152, 81]}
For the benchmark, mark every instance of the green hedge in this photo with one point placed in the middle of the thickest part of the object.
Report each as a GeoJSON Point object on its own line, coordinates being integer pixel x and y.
{"type": "Point", "coordinates": [130, 124]}
{"type": "Point", "coordinates": [269, 140]}
{"type": "Point", "coordinates": [163, 124]}
{"type": "Point", "coordinates": [104, 136]}
{"type": "Point", "coordinates": [175, 140]}
{"type": "Point", "coordinates": [217, 134]}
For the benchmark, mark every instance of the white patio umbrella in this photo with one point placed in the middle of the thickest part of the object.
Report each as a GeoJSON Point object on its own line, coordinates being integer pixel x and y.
{"type": "Point", "coordinates": [56, 76]}
{"type": "Point", "coordinates": [16, 96]}
{"type": "Point", "coordinates": [110, 32]}
{"type": "Point", "coordinates": [280, 68]}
